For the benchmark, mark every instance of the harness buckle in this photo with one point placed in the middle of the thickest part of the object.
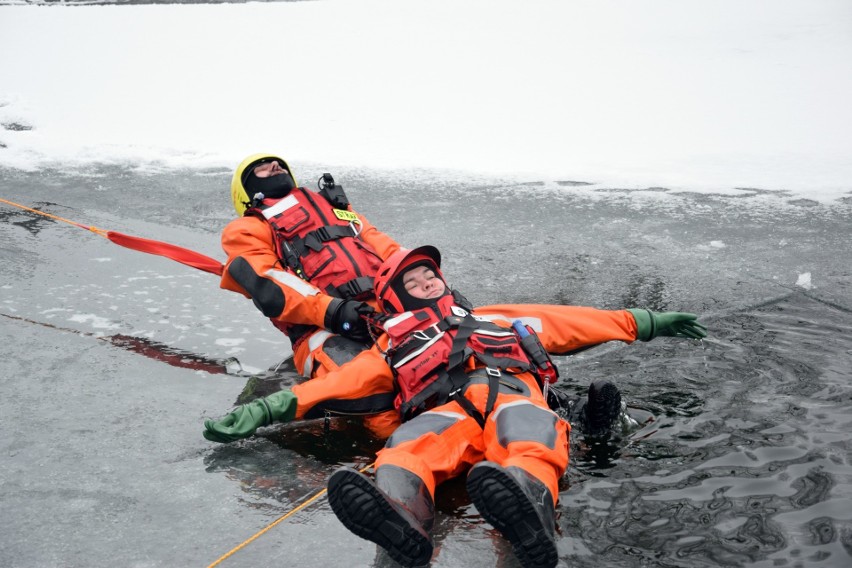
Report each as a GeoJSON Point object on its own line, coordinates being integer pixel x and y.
{"type": "Point", "coordinates": [492, 372]}
{"type": "Point", "coordinates": [355, 287]}
{"type": "Point", "coordinates": [323, 234]}
{"type": "Point", "coordinates": [424, 335]}
{"type": "Point", "coordinates": [461, 312]}
{"type": "Point", "coordinates": [356, 227]}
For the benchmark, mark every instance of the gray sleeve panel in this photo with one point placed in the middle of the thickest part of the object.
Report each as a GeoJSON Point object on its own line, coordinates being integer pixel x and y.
{"type": "Point", "coordinates": [265, 293]}
{"type": "Point", "coordinates": [341, 349]}
{"type": "Point", "coordinates": [425, 423]}
{"type": "Point", "coordinates": [526, 423]}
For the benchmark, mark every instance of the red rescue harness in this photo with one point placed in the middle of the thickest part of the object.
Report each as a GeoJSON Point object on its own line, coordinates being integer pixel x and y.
{"type": "Point", "coordinates": [430, 352]}
{"type": "Point", "coordinates": [320, 243]}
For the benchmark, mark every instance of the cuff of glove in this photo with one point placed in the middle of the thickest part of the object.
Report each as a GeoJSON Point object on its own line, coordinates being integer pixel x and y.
{"type": "Point", "coordinates": [646, 325]}
{"type": "Point", "coordinates": [331, 311]}
{"type": "Point", "coordinates": [281, 406]}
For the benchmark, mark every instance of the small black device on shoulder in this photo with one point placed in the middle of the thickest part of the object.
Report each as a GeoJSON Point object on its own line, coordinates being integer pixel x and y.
{"type": "Point", "coordinates": [332, 192]}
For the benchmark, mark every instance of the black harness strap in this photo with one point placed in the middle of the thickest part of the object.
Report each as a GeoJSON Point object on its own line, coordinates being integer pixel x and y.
{"type": "Point", "coordinates": [452, 378]}
{"type": "Point", "coordinates": [352, 289]}
{"type": "Point", "coordinates": [468, 406]}
{"type": "Point", "coordinates": [315, 239]}
{"type": "Point", "coordinates": [493, 389]}
{"type": "Point", "coordinates": [458, 378]}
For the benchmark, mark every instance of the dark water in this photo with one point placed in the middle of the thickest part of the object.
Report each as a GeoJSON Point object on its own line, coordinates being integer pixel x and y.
{"type": "Point", "coordinates": [112, 359]}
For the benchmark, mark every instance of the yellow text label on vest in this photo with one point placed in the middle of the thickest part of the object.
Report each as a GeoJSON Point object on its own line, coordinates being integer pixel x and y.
{"type": "Point", "coordinates": [344, 215]}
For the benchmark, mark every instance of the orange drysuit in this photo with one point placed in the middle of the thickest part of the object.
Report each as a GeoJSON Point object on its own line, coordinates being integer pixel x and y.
{"type": "Point", "coordinates": [255, 270]}
{"type": "Point", "coordinates": [445, 441]}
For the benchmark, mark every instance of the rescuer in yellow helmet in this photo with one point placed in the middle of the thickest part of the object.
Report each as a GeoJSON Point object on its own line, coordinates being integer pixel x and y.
{"type": "Point", "coordinates": [306, 259]}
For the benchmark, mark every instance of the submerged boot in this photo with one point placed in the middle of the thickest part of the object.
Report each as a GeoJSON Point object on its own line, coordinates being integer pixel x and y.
{"type": "Point", "coordinates": [520, 507]}
{"type": "Point", "coordinates": [372, 514]}
{"type": "Point", "coordinates": [602, 410]}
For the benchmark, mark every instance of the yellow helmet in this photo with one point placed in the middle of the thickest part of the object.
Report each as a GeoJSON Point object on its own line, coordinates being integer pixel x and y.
{"type": "Point", "coordinates": [239, 195]}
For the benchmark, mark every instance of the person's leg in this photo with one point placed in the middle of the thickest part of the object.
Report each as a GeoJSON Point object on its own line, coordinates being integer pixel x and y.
{"type": "Point", "coordinates": [518, 505]}
{"type": "Point", "coordinates": [602, 410]}
{"type": "Point", "coordinates": [595, 415]}
{"type": "Point", "coordinates": [523, 432]}
{"type": "Point", "coordinates": [435, 446]}
{"type": "Point", "coordinates": [397, 510]}
{"type": "Point", "coordinates": [397, 518]}
{"type": "Point", "coordinates": [516, 490]}
{"type": "Point", "coordinates": [323, 352]}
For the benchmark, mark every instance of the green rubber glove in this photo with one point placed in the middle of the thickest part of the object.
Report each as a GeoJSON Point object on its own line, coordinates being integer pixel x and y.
{"type": "Point", "coordinates": [669, 324]}
{"type": "Point", "coordinates": [246, 419]}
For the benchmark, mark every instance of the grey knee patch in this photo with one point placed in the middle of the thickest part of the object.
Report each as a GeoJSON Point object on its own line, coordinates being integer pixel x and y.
{"type": "Point", "coordinates": [425, 423]}
{"type": "Point", "coordinates": [341, 349]}
{"type": "Point", "coordinates": [525, 422]}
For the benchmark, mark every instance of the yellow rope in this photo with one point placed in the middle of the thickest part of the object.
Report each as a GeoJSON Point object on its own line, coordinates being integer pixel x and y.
{"type": "Point", "coordinates": [100, 232]}
{"type": "Point", "coordinates": [275, 522]}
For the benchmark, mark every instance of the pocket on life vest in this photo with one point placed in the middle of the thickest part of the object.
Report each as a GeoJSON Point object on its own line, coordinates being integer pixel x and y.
{"type": "Point", "coordinates": [292, 218]}
{"type": "Point", "coordinates": [498, 351]}
{"type": "Point", "coordinates": [318, 266]}
{"type": "Point", "coordinates": [423, 364]}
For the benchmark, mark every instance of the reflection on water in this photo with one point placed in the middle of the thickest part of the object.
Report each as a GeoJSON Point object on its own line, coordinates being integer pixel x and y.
{"type": "Point", "coordinates": [742, 458]}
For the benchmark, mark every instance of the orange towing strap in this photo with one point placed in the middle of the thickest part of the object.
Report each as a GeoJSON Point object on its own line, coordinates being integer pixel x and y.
{"type": "Point", "coordinates": [174, 252]}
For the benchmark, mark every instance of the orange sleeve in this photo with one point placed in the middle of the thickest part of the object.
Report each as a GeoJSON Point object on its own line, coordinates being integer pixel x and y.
{"type": "Point", "coordinates": [565, 328]}
{"type": "Point", "coordinates": [253, 270]}
{"type": "Point", "coordinates": [377, 240]}
{"type": "Point", "coordinates": [361, 386]}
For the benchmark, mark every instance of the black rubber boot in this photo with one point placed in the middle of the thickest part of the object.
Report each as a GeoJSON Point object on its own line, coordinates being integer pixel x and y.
{"type": "Point", "coordinates": [371, 514]}
{"type": "Point", "coordinates": [520, 507]}
{"type": "Point", "coordinates": [601, 410]}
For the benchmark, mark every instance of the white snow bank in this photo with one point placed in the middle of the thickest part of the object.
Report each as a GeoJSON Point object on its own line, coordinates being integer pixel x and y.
{"type": "Point", "coordinates": [703, 96]}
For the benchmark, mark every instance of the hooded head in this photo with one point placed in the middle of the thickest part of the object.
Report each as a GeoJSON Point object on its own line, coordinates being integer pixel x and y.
{"type": "Point", "coordinates": [245, 184]}
{"type": "Point", "coordinates": [410, 280]}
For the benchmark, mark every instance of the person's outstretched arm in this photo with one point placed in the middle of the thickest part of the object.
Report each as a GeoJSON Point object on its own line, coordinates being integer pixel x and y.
{"type": "Point", "coordinates": [361, 386]}
{"type": "Point", "coordinates": [563, 329]}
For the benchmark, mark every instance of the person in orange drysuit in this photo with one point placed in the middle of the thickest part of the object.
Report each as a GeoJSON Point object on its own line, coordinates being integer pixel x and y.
{"type": "Point", "coordinates": [307, 261]}
{"type": "Point", "coordinates": [469, 392]}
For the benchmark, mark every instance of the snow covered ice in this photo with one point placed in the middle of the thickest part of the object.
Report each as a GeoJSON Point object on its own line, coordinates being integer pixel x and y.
{"type": "Point", "coordinates": [699, 96]}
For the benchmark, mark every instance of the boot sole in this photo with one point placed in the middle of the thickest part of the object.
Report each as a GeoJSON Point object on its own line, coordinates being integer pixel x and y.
{"type": "Point", "coordinates": [365, 511]}
{"type": "Point", "coordinates": [502, 502]}
{"type": "Point", "coordinates": [602, 410]}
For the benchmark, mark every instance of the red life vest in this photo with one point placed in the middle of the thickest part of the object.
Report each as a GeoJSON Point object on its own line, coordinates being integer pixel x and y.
{"type": "Point", "coordinates": [320, 243]}
{"type": "Point", "coordinates": [430, 351]}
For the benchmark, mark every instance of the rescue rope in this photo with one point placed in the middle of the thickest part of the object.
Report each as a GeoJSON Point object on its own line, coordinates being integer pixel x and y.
{"type": "Point", "coordinates": [95, 230]}
{"type": "Point", "coordinates": [159, 248]}
{"type": "Point", "coordinates": [276, 522]}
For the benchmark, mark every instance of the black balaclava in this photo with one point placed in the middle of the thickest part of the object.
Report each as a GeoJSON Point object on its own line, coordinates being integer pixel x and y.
{"type": "Point", "coordinates": [408, 301]}
{"type": "Point", "coordinates": [274, 186]}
